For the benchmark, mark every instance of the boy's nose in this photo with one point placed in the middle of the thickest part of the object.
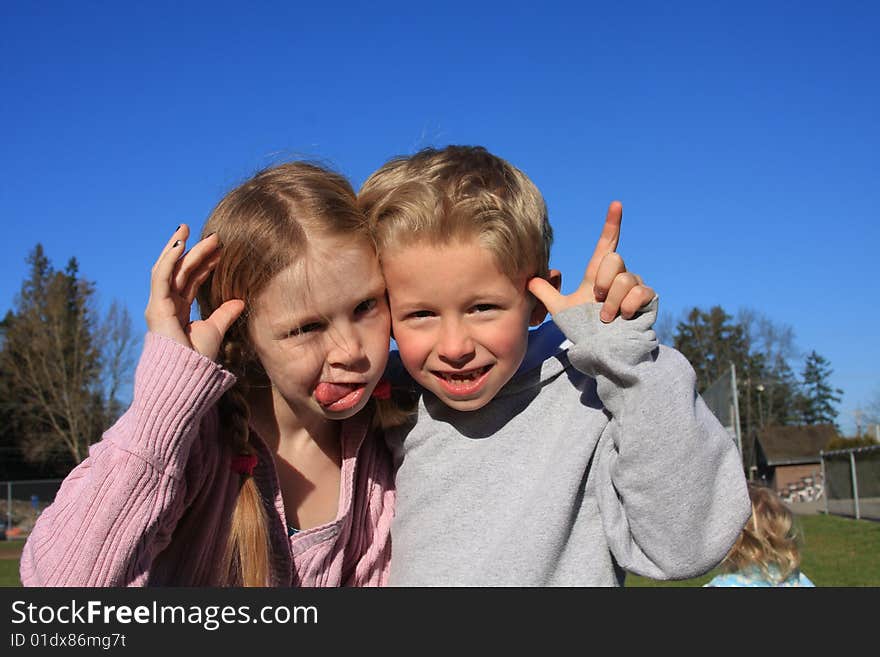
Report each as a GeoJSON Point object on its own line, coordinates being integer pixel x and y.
{"type": "Point", "coordinates": [455, 346]}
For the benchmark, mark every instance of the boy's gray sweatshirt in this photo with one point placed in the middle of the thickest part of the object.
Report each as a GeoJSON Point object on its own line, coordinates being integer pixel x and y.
{"type": "Point", "coordinates": [598, 457]}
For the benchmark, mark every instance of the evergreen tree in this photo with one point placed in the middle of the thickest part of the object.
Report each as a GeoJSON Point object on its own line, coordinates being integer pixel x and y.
{"type": "Point", "coordinates": [760, 349]}
{"type": "Point", "coordinates": [818, 397]}
{"type": "Point", "coordinates": [711, 341]}
{"type": "Point", "coordinates": [780, 394]}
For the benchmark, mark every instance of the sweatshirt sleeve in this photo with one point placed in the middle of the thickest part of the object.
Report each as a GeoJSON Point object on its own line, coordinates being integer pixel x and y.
{"type": "Point", "coordinates": [669, 480]}
{"type": "Point", "coordinates": [118, 508]}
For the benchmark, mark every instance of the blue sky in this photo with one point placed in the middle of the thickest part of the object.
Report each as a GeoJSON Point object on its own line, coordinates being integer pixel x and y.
{"type": "Point", "coordinates": [741, 137]}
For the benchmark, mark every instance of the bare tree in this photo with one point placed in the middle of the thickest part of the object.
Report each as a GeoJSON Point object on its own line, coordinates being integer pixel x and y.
{"type": "Point", "coordinates": [872, 409]}
{"type": "Point", "coordinates": [61, 365]}
{"type": "Point", "coordinates": [117, 344]}
{"type": "Point", "coordinates": [763, 335]}
{"type": "Point", "coordinates": [774, 345]}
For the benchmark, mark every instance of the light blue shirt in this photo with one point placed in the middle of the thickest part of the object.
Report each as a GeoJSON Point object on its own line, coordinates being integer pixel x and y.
{"type": "Point", "coordinates": [753, 577]}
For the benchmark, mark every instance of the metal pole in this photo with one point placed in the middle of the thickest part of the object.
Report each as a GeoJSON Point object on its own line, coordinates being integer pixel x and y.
{"type": "Point", "coordinates": [749, 431]}
{"type": "Point", "coordinates": [739, 438]}
{"type": "Point", "coordinates": [8, 506]}
{"type": "Point", "coordinates": [855, 482]}
{"type": "Point", "coordinates": [760, 390]}
{"type": "Point", "coordinates": [824, 481]}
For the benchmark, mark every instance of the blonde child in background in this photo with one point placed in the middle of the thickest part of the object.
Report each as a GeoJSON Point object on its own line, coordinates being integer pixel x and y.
{"type": "Point", "coordinates": [563, 456]}
{"type": "Point", "coordinates": [246, 457]}
{"type": "Point", "coordinates": [767, 552]}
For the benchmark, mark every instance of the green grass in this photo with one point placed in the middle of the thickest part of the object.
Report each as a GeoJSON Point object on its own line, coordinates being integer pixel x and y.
{"type": "Point", "coordinates": [9, 573]}
{"type": "Point", "coordinates": [10, 552]}
{"type": "Point", "coordinates": [836, 552]}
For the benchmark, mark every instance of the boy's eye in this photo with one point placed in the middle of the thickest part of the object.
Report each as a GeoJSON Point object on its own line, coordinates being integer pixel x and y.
{"type": "Point", "coordinates": [483, 307]}
{"type": "Point", "coordinates": [365, 306]}
{"type": "Point", "coordinates": [420, 314]}
{"type": "Point", "coordinates": [311, 327]}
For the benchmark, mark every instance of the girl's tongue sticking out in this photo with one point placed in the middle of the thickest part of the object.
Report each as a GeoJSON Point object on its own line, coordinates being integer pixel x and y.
{"type": "Point", "coordinates": [338, 396]}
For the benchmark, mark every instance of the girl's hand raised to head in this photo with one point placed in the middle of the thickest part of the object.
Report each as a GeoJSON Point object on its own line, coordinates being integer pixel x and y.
{"type": "Point", "coordinates": [175, 279]}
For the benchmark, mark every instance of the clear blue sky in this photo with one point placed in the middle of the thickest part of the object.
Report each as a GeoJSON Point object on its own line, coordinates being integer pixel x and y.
{"type": "Point", "coordinates": [741, 137]}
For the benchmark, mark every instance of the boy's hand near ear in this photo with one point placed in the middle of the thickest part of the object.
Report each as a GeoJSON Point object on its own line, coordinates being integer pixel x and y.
{"type": "Point", "coordinates": [606, 279]}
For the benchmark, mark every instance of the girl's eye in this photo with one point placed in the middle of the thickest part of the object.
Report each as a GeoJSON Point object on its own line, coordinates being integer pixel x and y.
{"type": "Point", "coordinates": [420, 314]}
{"type": "Point", "coordinates": [304, 329]}
{"type": "Point", "coordinates": [365, 306]}
{"type": "Point", "coordinates": [484, 307]}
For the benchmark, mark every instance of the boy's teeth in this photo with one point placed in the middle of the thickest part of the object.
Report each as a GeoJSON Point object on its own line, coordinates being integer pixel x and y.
{"type": "Point", "coordinates": [470, 376]}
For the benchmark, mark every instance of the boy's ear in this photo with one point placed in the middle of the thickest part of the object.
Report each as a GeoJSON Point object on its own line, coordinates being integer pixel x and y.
{"type": "Point", "coordinates": [539, 312]}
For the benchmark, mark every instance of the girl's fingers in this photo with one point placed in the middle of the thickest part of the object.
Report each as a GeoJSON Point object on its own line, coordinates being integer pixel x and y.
{"type": "Point", "coordinates": [162, 309]}
{"type": "Point", "coordinates": [198, 276]}
{"type": "Point", "coordinates": [610, 267]}
{"type": "Point", "coordinates": [193, 260]}
{"type": "Point", "coordinates": [160, 276]}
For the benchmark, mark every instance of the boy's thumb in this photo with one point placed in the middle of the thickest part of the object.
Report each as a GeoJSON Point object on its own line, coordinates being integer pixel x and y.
{"type": "Point", "coordinates": [546, 293]}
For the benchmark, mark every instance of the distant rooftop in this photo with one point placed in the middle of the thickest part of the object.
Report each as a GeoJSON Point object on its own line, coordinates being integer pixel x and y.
{"type": "Point", "coordinates": [786, 445]}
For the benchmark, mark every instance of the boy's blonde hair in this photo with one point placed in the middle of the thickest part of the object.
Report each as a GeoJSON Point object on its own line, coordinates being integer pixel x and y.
{"type": "Point", "coordinates": [770, 541]}
{"type": "Point", "coordinates": [265, 225]}
{"type": "Point", "coordinates": [439, 197]}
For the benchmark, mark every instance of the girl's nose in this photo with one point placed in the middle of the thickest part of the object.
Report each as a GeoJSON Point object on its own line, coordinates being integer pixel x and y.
{"type": "Point", "coordinates": [345, 348]}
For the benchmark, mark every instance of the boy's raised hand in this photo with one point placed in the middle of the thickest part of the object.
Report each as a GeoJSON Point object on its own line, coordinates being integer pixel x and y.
{"type": "Point", "coordinates": [605, 280]}
{"type": "Point", "coordinates": [174, 282]}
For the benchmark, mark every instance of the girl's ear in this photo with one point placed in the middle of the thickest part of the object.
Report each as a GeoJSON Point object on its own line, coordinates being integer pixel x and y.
{"type": "Point", "coordinates": [539, 312]}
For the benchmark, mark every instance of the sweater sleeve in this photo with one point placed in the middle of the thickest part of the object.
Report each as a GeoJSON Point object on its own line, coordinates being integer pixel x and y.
{"type": "Point", "coordinates": [118, 508]}
{"type": "Point", "coordinates": [669, 480]}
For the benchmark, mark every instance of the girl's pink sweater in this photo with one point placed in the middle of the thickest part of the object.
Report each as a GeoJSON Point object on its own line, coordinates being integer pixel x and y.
{"type": "Point", "coordinates": [151, 505]}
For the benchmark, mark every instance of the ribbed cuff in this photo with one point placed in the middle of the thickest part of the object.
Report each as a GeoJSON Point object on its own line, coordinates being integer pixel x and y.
{"type": "Point", "coordinates": [174, 387]}
{"type": "Point", "coordinates": [596, 345]}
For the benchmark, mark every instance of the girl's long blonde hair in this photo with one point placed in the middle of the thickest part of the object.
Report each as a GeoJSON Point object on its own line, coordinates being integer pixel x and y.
{"type": "Point", "coordinates": [264, 226]}
{"type": "Point", "coordinates": [770, 541]}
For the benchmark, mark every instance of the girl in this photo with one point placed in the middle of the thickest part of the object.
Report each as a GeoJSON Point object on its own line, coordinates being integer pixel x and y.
{"type": "Point", "coordinates": [245, 457]}
{"type": "Point", "coordinates": [767, 552]}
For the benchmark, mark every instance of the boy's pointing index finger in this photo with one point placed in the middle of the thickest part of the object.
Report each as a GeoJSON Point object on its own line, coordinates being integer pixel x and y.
{"type": "Point", "coordinates": [608, 240]}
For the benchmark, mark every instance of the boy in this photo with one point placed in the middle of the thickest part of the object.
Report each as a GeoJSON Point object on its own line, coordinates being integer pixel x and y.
{"type": "Point", "coordinates": [533, 460]}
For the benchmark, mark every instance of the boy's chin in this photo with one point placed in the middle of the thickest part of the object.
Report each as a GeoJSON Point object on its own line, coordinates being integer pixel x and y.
{"type": "Point", "coordinates": [464, 405]}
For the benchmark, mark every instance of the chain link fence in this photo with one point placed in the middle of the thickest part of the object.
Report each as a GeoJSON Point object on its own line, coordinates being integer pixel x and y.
{"type": "Point", "coordinates": [721, 398]}
{"type": "Point", "coordinates": [23, 502]}
{"type": "Point", "coordinates": [852, 482]}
